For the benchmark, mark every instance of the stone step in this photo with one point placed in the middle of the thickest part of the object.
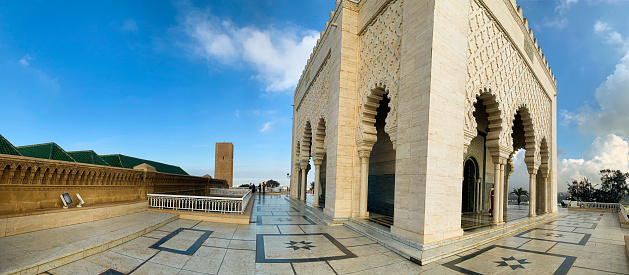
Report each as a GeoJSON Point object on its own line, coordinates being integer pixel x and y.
{"type": "Point", "coordinates": [424, 254]}
{"type": "Point", "coordinates": [315, 213]}
{"type": "Point", "coordinates": [40, 251]}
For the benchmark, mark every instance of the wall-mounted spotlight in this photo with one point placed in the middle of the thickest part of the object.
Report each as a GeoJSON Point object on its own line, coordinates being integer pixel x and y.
{"type": "Point", "coordinates": [81, 202]}
{"type": "Point", "coordinates": [65, 198]}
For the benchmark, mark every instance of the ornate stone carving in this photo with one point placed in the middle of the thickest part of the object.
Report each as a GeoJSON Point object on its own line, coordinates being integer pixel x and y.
{"type": "Point", "coordinates": [495, 64]}
{"type": "Point", "coordinates": [313, 107]}
{"type": "Point", "coordinates": [379, 66]}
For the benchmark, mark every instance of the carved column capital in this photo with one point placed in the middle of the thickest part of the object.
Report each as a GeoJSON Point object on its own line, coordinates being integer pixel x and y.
{"type": "Point", "coordinates": [364, 154]}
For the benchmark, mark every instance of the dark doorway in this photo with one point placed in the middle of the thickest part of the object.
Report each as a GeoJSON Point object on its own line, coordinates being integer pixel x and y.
{"type": "Point", "coordinates": [469, 181]}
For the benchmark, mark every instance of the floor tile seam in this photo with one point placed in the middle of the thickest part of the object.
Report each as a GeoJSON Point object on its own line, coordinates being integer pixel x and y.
{"type": "Point", "coordinates": [524, 243]}
{"type": "Point", "coordinates": [156, 251]}
{"type": "Point", "coordinates": [333, 270]}
{"type": "Point", "coordinates": [358, 245]}
{"type": "Point", "coordinates": [596, 269]}
{"type": "Point", "coordinates": [145, 261]}
{"type": "Point", "coordinates": [293, 267]}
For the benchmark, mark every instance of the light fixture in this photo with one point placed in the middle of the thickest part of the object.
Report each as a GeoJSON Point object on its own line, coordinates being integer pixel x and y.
{"type": "Point", "coordinates": [65, 198]}
{"type": "Point", "coordinates": [81, 202]}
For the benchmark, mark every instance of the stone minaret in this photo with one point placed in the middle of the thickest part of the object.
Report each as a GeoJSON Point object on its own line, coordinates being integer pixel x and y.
{"type": "Point", "coordinates": [224, 162]}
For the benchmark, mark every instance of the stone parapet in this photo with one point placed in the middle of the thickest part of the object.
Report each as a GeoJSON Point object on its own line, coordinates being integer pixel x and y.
{"type": "Point", "coordinates": [28, 184]}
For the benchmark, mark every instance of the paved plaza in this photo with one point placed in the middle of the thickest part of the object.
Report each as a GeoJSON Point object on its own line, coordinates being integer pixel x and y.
{"type": "Point", "coordinates": [282, 240]}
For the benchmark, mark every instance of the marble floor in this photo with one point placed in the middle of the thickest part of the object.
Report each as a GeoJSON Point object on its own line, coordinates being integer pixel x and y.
{"type": "Point", "coordinates": [281, 240]}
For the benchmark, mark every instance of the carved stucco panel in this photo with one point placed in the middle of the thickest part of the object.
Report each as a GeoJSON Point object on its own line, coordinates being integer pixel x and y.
{"type": "Point", "coordinates": [313, 108]}
{"type": "Point", "coordinates": [379, 63]}
{"type": "Point", "coordinates": [495, 64]}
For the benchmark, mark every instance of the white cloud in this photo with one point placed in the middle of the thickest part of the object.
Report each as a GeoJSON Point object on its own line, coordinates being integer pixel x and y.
{"type": "Point", "coordinates": [558, 23]}
{"type": "Point", "coordinates": [266, 127]}
{"type": "Point", "coordinates": [610, 35]}
{"type": "Point", "coordinates": [564, 5]}
{"type": "Point", "coordinates": [606, 152]}
{"type": "Point", "coordinates": [276, 55]}
{"type": "Point", "coordinates": [613, 98]}
{"type": "Point", "coordinates": [129, 25]}
{"type": "Point", "coordinates": [25, 61]}
{"type": "Point", "coordinates": [38, 75]}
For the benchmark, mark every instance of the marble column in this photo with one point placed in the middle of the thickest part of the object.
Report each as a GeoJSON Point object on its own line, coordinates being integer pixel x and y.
{"type": "Point", "coordinates": [496, 203]}
{"type": "Point", "coordinates": [502, 193]}
{"type": "Point", "coordinates": [317, 184]}
{"type": "Point", "coordinates": [364, 182]}
{"type": "Point", "coordinates": [548, 197]}
{"type": "Point", "coordinates": [532, 177]}
{"type": "Point", "coordinates": [304, 174]}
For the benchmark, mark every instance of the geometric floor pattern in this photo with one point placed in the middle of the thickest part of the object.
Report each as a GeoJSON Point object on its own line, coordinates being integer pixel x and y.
{"type": "Point", "coordinates": [281, 240]}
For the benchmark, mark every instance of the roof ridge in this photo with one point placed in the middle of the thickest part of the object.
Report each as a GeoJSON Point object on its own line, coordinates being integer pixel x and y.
{"type": "Point", "coordinates": [33, 145]}
{"type": "Point", "coordinates": [63, 151]}
{"type": "Point", "coordinates": [6, 141]}
{"type": "Point", "coordinates": [79, 151]}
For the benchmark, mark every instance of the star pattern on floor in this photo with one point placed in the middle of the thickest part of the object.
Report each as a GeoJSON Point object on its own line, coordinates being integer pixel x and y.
{"type": "Point", "coordinates": [555, 235]}
{"type": "Point", "coordinates": [304, 245]}
{"type": "Point", "coordinates": [512, 262]}
{"type": "Point", "coordinates": [284, 220]}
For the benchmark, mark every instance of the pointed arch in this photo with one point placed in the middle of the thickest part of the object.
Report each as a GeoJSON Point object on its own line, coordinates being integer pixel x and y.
{"type": "Point", "coordinates": [523, 136]}
{"type": "Point", "coordinates": [306, 144]}
{"type": "Point", "coordinates": [495, 146]}
{"type": "Point", "coordinates": [368, 132]}
{"type": "Point", "coordinates": [319, 140]}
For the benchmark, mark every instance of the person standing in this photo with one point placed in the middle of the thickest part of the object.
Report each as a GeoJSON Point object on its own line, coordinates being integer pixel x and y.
{"type": "Point", "coordinates": [264, 188]}
{"type": "Point", "coordinates": [491, 201]}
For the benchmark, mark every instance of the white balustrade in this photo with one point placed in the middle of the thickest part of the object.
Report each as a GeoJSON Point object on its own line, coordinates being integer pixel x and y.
{"type": "Point", "coordinates": [222, 191]}
{"type": "Point", "coordinates": [597, 205]}
{"type": "Point", "coordinates": [201, 203]}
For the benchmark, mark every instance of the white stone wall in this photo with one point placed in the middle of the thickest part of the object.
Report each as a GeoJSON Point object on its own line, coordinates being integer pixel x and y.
{"type": "Point", "coordinates": [432, 58]}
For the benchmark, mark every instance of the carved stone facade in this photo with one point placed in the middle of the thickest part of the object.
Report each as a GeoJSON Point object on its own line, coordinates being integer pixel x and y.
{"type": "Point", "coordinates": [31, 183]}
{"type": "Point", "coordinates": [454, 81]}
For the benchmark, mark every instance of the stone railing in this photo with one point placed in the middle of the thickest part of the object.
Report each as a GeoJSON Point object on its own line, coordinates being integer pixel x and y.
{"type": "Point", "coordinates": [596, 205]}
{"type": "Point", "coordinates": [31, 183]}
{"type": "Point", "coordinates": [200, 203]}
{"type": "Point", "coordinates": [232, 191]}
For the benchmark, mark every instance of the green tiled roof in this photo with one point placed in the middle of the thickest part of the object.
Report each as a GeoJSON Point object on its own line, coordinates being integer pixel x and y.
{"type": "Point", "coordinates": [7, 148]}
{"type": "Point", "coordinates": [45, 151]}
{"type": "Point", "coordinates": [130, 162]}
{"type": "Point", "coordinates": [89, 157]}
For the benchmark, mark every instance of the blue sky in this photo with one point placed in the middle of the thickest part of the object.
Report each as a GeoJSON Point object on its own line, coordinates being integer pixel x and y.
{"type": "Point", "coordinates": [166, 80]}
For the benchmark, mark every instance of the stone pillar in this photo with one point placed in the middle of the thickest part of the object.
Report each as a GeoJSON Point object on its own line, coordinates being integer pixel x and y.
{"type": "Point", "coordinates": [294, 182]}
{"type": "Point", "coordinates": [304, 174]}
{"type": "Point", "coordinates": [532, 175]}
{"type": "Point", "coordinates": [497, 182]}
{"type": "Point", "coordinates": [548, 197]}
{"type": "Point", "coordinates": [477, 196]}
{"type": "Point", "coordinates": [502, 193]}
{"type": "Point", "coordinates": [317, 184]}
{"type": "Point", "coordinates": [505, 197]}
{"type": "Point", "coordinates": [364, 182]}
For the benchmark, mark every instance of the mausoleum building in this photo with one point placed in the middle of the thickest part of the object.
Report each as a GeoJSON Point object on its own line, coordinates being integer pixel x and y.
{"type": "Point", "coordinates": [414, 109]}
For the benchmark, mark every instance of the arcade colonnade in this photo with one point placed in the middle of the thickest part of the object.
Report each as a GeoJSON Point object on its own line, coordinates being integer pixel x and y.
{"type": "Point", "coordinates": [415, 111]}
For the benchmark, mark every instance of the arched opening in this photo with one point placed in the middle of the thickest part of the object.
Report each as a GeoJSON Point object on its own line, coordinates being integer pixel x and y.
{"type": "Point", "coordinates": [320, 164]}
{"type": "Point", "coordinates": [27, 175]}
{"type": "Point", "coordinates": [45, 179]}
{"type": "Point", "coordinates": [524, 154]}
{"type": "Point", "coordinates": [16, 175]}
{"type": "Point", "coordinates": [544, 195]}
{"type": "Point", "coordinates": [296, 184]}
{"type": "Point", "coordinates": [5, 175]}
{"type": "Point", "coordinates": [305, 160]}
{"type": "Point", "coordinates": [36, 176]}
{"type": "Point", "coordinates": [479, 164]}
{"type": "Point", "coordinates": [381, 183]}
{"type": "Point", "coordinates": [470, 175]}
